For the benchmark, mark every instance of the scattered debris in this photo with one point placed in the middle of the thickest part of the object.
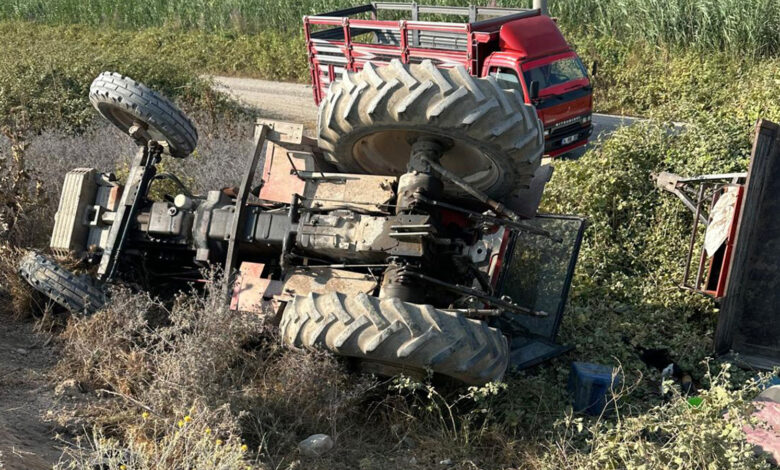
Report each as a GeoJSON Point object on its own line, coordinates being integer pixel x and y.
{"type": "Point", "coordinates": [766, 434]}
{"type": "Point", "coordinates": [592, 386]}
{"type": "Point", "coordinates": [68, 388]}
{"type": "Point", "coordinates": [673, 371]}
{"type": "Point", "coordinates": [315, 445]}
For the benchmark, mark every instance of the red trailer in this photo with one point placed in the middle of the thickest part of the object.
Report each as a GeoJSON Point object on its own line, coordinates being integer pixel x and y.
{"type": "Point", "coordinates": [735, 259]}
{"type": "Point", "coordinates": [520, 48]}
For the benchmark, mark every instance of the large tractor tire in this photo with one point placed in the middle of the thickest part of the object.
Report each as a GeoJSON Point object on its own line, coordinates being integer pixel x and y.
{"type": "Point", "coordinates": [124, 102]}
{"type": "Point", "coordinates": [367, 122]}
{"type": "Point", "coordinates": [399, 336]}
{"type": "Point", "coordinates": [77, 294]}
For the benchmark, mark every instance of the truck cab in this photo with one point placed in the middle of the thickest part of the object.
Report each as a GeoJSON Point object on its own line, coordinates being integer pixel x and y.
{"type": "Point", "coordinates": [535, 59]}
{"type": "Point", "coordinates": [521, 48]}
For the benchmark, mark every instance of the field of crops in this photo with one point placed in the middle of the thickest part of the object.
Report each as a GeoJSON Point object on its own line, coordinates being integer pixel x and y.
{"type": "Point", "coordinates": [743, 27]}
{"type": "Point", "coordinates": [194, 390]}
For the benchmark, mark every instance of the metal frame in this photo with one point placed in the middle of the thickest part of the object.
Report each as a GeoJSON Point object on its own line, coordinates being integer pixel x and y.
{"type": "Point", "coordinates": [239, 214]}
{"type": "Point", "coordinates": [532, 348]}
{"type": "Point", "coordinates": [570, 268]}
{"type": "Point", "coordinates": [694, 192]}
{"type": "Point", "coordinates": [142, 173]}
{"type": "Point", "coordinates": [472, 11]}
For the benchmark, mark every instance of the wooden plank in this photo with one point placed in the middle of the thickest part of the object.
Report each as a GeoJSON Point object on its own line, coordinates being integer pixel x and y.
{"type": "Point", "coordinates": [748, 319]}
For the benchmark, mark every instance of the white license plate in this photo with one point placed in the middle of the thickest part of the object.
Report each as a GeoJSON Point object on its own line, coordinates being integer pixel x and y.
{"type": "Point", "coordinates": [569, 140]}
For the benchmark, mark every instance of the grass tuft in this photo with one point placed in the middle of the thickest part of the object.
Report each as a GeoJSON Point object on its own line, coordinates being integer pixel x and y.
{"type": "Point", "coordinates": [744, 27]}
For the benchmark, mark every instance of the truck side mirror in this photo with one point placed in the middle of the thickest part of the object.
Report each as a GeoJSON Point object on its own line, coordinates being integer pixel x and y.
{"type": "Point", "coordinates": [533, 90]}
{"type": "Point", "coordinates": [594, 68]}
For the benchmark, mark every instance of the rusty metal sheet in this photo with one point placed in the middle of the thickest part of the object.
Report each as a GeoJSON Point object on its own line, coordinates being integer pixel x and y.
{"type": "Point", "coordinates": [303, 281]}
{"type": "Point", "coordinates": [282, 132]}
{"type": "Point", "coordinates": [252, 293]}
{"type": "Point", "coordinates": [287, 152]}
{"type": "Point", "coordinates": [332, 190]}
{"type": "Point", "coordinates": [279, 179]}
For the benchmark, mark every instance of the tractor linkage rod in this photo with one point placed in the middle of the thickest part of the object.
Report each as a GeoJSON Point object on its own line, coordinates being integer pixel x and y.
{"type": "Point", "coordinates": [487, 218]}
{"type": "Point", "coordinates": [481, 197]}
{"type": "Point", "coordinates": [501, 303]}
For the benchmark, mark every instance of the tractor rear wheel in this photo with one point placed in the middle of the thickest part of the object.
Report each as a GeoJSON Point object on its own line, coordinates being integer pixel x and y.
{"type": "Point", "coordinates": [396, 336]}
{"type": "Point", "coordinates": [77, 294]}
{"type": "Point", "coordinates": [369, 119]}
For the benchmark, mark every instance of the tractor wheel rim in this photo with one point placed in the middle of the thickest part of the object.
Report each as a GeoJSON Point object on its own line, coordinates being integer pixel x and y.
{"type": "Point", "coordinates": [387, 153]}
{"type": "Point", "coordinates": [127, 120]}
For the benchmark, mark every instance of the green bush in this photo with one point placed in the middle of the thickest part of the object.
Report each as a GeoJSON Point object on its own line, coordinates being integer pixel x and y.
{"type": "Point", "coordinates": [642, 79]}
{"type": "Point", "coordinates": [674, 435]}
{"type": "Point", "coordinates": [625, 289]}
{"type": "Point", "coordinates": [45, 82]}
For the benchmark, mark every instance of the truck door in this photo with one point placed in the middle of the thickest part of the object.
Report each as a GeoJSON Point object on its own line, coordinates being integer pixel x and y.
{"type": "Point", "coordinates": [508, 79]}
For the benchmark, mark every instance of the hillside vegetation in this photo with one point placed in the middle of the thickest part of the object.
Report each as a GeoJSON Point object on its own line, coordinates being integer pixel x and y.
{"type": "Point", "coordinates": [744, 27]}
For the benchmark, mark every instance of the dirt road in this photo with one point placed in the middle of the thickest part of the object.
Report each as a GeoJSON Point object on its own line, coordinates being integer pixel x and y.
{"type": "Point", "coordinates": [295, 102]}
{"type": "Point", "coordinates": [275, 100]}
{"type": "Point", "coordinates": [26, 441]}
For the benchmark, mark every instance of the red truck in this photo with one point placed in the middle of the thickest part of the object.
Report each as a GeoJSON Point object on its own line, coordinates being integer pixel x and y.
{"type": "Point", "coordinates": [522, 49]}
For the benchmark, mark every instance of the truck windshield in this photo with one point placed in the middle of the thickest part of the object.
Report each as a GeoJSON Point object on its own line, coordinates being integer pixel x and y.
{"type": "Point", "coordinates": [556, 73]}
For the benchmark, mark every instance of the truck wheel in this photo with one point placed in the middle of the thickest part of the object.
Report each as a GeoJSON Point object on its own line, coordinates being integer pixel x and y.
{"type": "Point", "coordinates": [123, 101]}
{"type": "Point", "coordinates": [368, 119]}
{"type": "Point", "coordinates": [77, 294]}
{"type": "Point", "coordinates": [398, 335]}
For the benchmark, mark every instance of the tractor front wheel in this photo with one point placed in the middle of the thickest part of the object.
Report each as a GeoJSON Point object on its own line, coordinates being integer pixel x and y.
{"type": "Point", "coordinates": [126, 103]}
{"type": "Point", "coordinates": [77, 294]}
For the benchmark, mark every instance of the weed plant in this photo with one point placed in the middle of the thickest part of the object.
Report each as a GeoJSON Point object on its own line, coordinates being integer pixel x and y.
{"type": "Point", "coordinates": [741, 27]}
{"type": "Point", "coordinates": [44, 82]}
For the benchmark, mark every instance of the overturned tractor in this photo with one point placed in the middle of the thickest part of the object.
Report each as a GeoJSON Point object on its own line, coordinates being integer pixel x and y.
{"type": "Point", "coordinates": [406, 237]}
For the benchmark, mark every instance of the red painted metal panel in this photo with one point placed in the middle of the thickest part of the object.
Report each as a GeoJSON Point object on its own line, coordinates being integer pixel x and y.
{"type": "Point", "coordinates": [252, 293]}
{"type": "Point", "coordinates": [567, 148]}
{"type": "Point", "coordinates": [533, 37]}
{"type": "Point", "coordinates": [565, 110]}
{"type": "Point", "coordinates": [353, 56]}
{"type": "Point", "coordinates": [280, 183]}
{"type": "Point", "coordinates": [443, 58]}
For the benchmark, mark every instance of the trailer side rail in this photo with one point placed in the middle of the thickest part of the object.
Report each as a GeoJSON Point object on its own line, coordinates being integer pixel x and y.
{"type": "Point", "coordinates": [337, 42]}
